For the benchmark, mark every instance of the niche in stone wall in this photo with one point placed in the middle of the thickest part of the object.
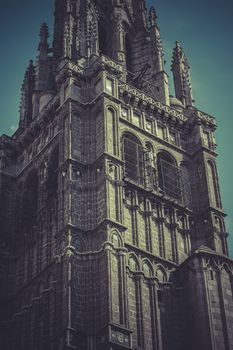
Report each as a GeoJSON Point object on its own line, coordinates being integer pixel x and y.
{"type": "Point", "coordinates": [147, 269]}
{"type": "Point", "coordinates": [111, 131]}
{"type": "Point", "coordinates": [99, 134]}
{"type": "Point", "coordinates": [114, 192]}
{"type": "Point", "coordinates": [219, 232]}
{"type": "Point", "coordinates": [213, 184]}
{"type": "Point", "coordinates": [116, 239]}
{"type": "Point", "coordinates": [133, 263]}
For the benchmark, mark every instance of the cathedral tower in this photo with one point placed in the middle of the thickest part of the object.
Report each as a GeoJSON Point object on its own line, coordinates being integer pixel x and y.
{"type": "Point", "coordinates": [112, 227]}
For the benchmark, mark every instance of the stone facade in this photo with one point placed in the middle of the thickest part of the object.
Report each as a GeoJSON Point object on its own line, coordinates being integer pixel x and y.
{"type": "Point", "coordinates": [112, 228]}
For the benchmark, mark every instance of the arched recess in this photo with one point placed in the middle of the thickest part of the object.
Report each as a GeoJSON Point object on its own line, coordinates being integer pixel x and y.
{"type": "Point", "coordinates": [99, 133]}
{"type": "Point", "coordinates": [168, 175]}
{"type": "Point", "coordinates": [133, 157]}
{"type": "Point", "coordinates": [213, 184]}
{"type": "Point", "coordinates": [186, 185]}
{"type": "Point", "coordinates": [116, 239]}
{"type": "Point", "coordinates": [147, 268]}
{"type": "Point", "coordinates": [112, 131]}
{"type": "Point", "coordinates": [133, 263]}
{"type": "Point", "coordinates": [52, 181]}
{"type": "Point", "coordinates": [219, 236]}
{"type": "Point", "coordinates": [161, 274]}
{"type": "Point", "coordinates": [29, 202]}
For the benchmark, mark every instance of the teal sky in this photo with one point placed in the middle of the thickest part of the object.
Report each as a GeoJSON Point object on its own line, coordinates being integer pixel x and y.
{"type": "Point", "coordinates": [205, 30]}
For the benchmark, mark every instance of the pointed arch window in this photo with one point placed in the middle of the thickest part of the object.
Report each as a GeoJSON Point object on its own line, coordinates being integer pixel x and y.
{"type": "Point", "coordinates": [133, 157]}
{"type": "Point", "coordinates": [168, 175]}
{"type": "Point", "coordinates": [213, 184]}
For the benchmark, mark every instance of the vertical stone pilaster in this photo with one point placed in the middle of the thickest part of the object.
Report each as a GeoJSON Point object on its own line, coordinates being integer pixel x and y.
{"type": "Point", "coordinates": [156, 321]}
{"type": "Point", "coordinates": [139, 298]}
{"type": "Point", "coordinates": [209, 312]}
{"type": "Point", "coordinates": [134, 214]}
{"type": "Point", "coordinates": [123, 290]}
{"type": "Point", "coordinates": [223, 310]}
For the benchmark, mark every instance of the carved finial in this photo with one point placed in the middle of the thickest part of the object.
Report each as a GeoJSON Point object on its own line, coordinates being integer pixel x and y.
{"type": "Point", "coordinates": [152, 16]}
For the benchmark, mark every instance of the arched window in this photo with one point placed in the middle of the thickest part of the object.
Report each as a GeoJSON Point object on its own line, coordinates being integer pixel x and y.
{"type": "Point", "coordinates": [128, 53]}
{"type": "Point", "coordinates": [213, 186]}
{"type": "Point", "coordinates": [133, 157]}
{"type": "Point", "coordinates": [168, 175]}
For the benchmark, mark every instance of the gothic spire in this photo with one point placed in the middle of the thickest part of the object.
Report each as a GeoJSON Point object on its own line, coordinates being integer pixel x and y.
{"type": "Point", "coordinates": [156, 41]}
{"type": "Point", "coordinates": [181, 74]}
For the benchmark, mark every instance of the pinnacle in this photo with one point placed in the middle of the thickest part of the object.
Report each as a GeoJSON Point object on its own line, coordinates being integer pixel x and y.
{"type": "Point", "coordinates": [44, 33]}
{"type": "Point", "coordinates": [31, 67]}
{"type": "Point", "coordinates": [177, 49]}
{"type": "Point", "coordinates": [152, 16]}
{"type": "Point", "coordinates": [178, 54]}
